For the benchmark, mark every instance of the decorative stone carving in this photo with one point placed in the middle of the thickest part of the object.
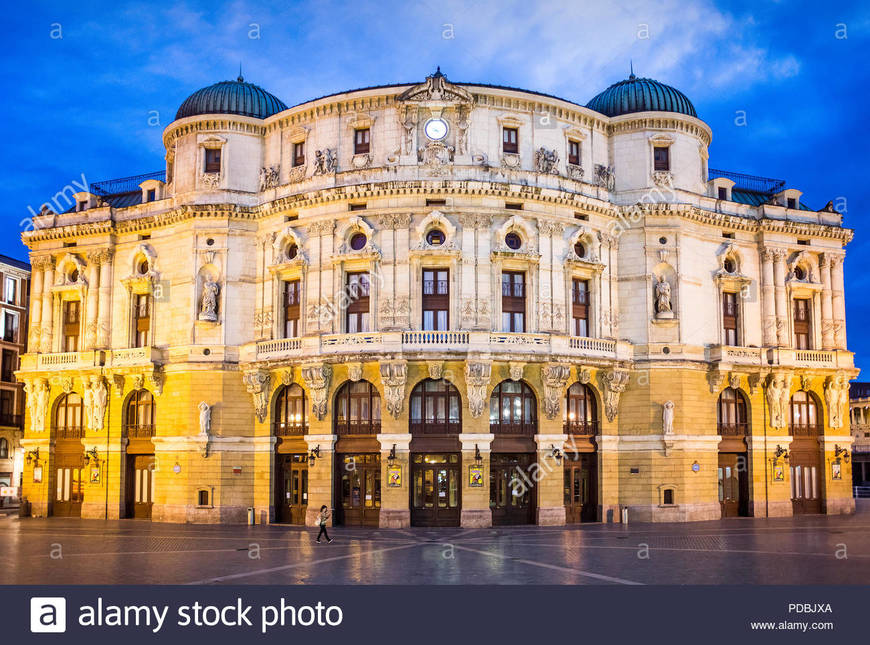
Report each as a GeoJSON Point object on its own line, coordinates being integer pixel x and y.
{"type": "Point", "coordinates": [668, 417]}
{"type": "Point", "coordinates": [323, 227]}
{"type": "Point", "coordinates": [354, 371]}
{"type": "Point", "coordinates": [477, 376]}
{"type": "Point", "coordinates": [394, 374]}
{"type": "Point", "coordinates": [99, 401]}
{"type": "Point", "coordinates": [138, 381]}
{"type": "Point", "coordinates": [510, 160]}
{"type": "Point", "coordinates": [287, 376]}
{"type": "Point", "coordinates": [257, 384]}
{"type": "Point", "coordinates": [269, 177]}
{"type": "Point", "coordinates": [754, 381]}
{"type": "Point", "coordinates": [436, 156]}
{"type": "Point", "coordinates": [37, 392]}
{"type": "Point", "coordinates": [715, 378]}
{"type": "Point", "coordinates": [806, 382]}
{"type": "Point", "coordinates": [574, 171]}
{"type": "Point", "coordinates": [778, 398]}
{"type": "Point", "coordinates": [734, 381]}
{"type": "Point", "coordinates": [613, 384]}
{"type": "Point", "coordinates": [208, 303]}
{"type": "Point", "coordinates": [296, 174]}
{"type": "Point", "coordinates": [210, 180]}
{"type": "Point", "coordinates": [584, 375]}
{"type": "Point", "coordinates": [436, 88]}
{"type": "Point", "coordinates": [436, 370]}
{"type": "Point", "coordinates": [118, 384]}
{"type": "Point", "coordinates": [837, 398]}
{"type": "Point", "coordinates": [325, 162]}
{"type": "Point", "coordinates": [361, 161]}
{"type": "Point", "coordinates": [546, 161]}
{"type": "Point", "coordinates": [516, 369]}
{"type": "Point", "coordinates": [555, 377]}
{"type": "Point", "coordinates": [475, 313]}
{"type": "Point", "coordinates": [157, 377]}
{"type": "Point", "coordinates": [605, 177]}
{"type": "Point", "coordinates": [663, 178]}
{"type": "Point", "coordinates": [663, 298]}
{"type": "Point", "coordinates": [204, 427]}
{"type": "Point", "coordinates": [66, 384]}
{"type": "Point", "coordinates": [317, 377]}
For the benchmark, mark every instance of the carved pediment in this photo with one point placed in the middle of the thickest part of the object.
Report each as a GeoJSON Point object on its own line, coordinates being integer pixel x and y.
{"type": "Point", "coordinates": [436, 88]}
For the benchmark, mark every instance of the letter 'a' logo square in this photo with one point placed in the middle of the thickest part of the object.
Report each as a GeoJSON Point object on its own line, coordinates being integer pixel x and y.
{"type": "Point", "coordinates": [48, 615]}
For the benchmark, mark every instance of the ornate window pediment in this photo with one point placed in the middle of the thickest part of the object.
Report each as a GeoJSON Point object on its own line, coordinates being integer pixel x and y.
{"type": "Point", "coordinates": [730, 271]}
{"type": "Point", "coordinates": [522, 229]}
{"type": "Point", "coordinates": [143, 272]}
{"type": "Point", "coordinates": [70, 273]}
{"type": "Point", "coordinates": [802, 269]}
{"type": "Point", "coordinates": [288, 250]}
{"type": "Point", "coordinates": [435, 221]}
{"type": "Point", "coordinates": [347, 232]}
{"type": "Point", "coordinates": [588, 242]}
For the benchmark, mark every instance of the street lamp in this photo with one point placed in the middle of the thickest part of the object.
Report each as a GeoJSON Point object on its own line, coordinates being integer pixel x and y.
{"type": "Point", "coordinates": [557, 454]}
{"type": "Point", "coordinates": [313, 456]}
{"type": "Point", "coordinates": [32, 457]}
{"type": "Point", "coordinates": [92, 454]}
{"type": "Point", "coordinates": [780, 452]}
{"type": "Point", "coordinates": [838, 452]}
{"type": "Point", "coordinates": [478, 459]}
{"type": "Point", "coordinates": [392, 456]}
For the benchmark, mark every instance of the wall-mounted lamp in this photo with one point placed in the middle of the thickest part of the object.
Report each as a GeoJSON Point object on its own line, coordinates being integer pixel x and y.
{"type": "Point", "coordinates": [478, 459]}
{"type": "Point", "coordinates": [392, 456]}
{"type": "Point", "coordinates": [32, 457]}
{"type": "Point", "coordinates": [92, 454]}
{"type": "Point", "coordinates": [780, 452]}
{"type": "Point", "coordinates": [556, 453]}
{"type": "Point", "coordinates": [313, 456]}
{"type": "Point", "coordinates": [841, 452]}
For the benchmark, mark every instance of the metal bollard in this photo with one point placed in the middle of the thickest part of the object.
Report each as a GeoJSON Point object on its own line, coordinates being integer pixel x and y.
{"type": "Point", "coordinates": [625, 514]}
{"type": "Point", "coordinates": [250, 516]}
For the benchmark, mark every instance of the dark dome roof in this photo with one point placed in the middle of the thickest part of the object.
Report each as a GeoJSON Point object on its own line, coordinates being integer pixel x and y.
{"type": "Point", "coordinates": [641, 95]}
{"type": "Point", "coordinates": [231, 97]}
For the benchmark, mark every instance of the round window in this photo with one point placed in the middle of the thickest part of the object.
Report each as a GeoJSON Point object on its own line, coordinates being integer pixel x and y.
{"type": "Point", "coordinates": [74, 275]}
{"type": "Point", "coordinates": [435, 237]}
{"type": "Point", "coordinates": [663, 240]}
{"type": "Point", "coordinates": [730, 267]}
{"type": "Point", "coordinates": [142, 267]}
{"type": "Point", "coordinates": [580, 250]}
{"type": "Point", "coordinates": [292, 251]}
{"type": "Point", "coordinates": [209, 242]}
{"type": "Point", "coordinates": [513, 241]}
{"type": "Point", "coordinates": [799, 273]}
{"type": "Point", "coordinates": [358, 241]}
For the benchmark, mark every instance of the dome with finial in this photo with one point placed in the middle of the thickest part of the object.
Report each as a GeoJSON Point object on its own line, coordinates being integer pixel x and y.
{"type": "Point", "coordinates": [641, 95]}
{"type": "Point", "coordinates": [231, 97]}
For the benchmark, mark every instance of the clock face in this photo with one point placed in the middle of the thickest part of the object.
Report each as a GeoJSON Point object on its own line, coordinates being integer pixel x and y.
{"type": "Point", "coordinates": [436, 129]}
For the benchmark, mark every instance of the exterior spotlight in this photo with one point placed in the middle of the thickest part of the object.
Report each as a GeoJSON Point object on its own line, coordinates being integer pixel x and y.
{"type": "Point", "coordinates": [313, 456]}
{"type": "Point", "coordinates": [478, 459]}
{"type": "Point", "coordinates": [557, 454]}
{"type": "Point", "coordinates": [32, 457]}
{"type": "Point", "coordinates": [92, 454]}
{"type": "Point", "coordinates": [841, 452]}
{"type": "Point", "coordinates": [780, 452]}
{"type": "Point", "coordinates": [392, 456]}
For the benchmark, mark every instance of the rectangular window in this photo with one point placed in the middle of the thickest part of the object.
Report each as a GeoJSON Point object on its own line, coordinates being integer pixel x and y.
{"type": "Point", "coordinates": [152, 195]}
{"type": "Point", "coordinates": [513, 301]}
{"type": "Point", "coordinates": [791, 202]}
{"type": "Point", "coordinates": [510, 140]}
{"type": "Point", "coordinates": [10, 293]}
{"type": "Point", "coordinates": [580, 307]}
{"type": "Point", "coordinates": [662, 157]}
{"type": "Point", "coordinates": [7, 407]}
{"type": "Point", "coordinates": [513, 206]}
{"type": "Point", "coordinates": [8, 366]}
{"type": "Point", "coordinates": [83, 205]}
{"type": "Point", "coordinates": [291, 308]}
{"type": "Point", "coordinates": [436, 202]}
{"type": "Point", "coordinates": [574, 152]}
{"type": "Point", "coordinates": [723, 192]}
{"type": "Point", "coordinates": [299, 154]}
{"type": "Point", "coordinates": [10, 327]}
{"type": "Point", "coordinates": [361, 141]}
{"type": "Point", "coordinates": [436, 300]}
{"type": "Point", "coordinates": [729, 318]}
{"type": "Point", "coordinates": [212, 159]}
{"type": "Point", "coordinates": [356, 207]}
{"type": "Point", "coordinates": [801, 323]}
{"type": "Point", "coordinates": [71, 325]}
{"type": "Point", "coordinates": [141, 320]}
{"type": "Point", "coordinates": [358, 303]}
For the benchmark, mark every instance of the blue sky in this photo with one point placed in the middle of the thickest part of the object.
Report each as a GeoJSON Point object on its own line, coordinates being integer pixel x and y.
{"type": "Point", "coordinates": [90, 86]}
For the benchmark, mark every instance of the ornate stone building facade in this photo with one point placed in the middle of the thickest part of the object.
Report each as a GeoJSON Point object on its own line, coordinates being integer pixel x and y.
{"type": "Point", "coordinates": [438, 304]}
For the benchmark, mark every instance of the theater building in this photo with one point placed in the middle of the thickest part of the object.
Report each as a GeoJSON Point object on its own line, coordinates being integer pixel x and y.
{"type": "Point", "coordinates": [438, 304]}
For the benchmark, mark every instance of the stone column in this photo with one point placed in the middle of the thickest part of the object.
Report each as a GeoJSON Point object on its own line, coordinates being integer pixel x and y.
{"type": "Point", "coordinates": [104, 316]}
{"type": "Point", "coordinates": [395, 511]}
{"type": "Point", "coordinates": [33, 335]}
{"type": "Point", "coordinates": [838, 299]}
{"type": "Point", "coordinates": [93, 293]}
{"type": "Point", "coordinates": [45, 336]}
{"type": "Point", "coordinates": [320, 477]}
{"type": "Point", "coordinates": [782, 312]}
{"type": "Point", "coordinates": [827, 306]}
{"type": "Point", "coordinates": [768, 303]}
{"type": "Point", "coordinates": [475, 499]}
{"type": "Point", "coordinates": [550, 509]}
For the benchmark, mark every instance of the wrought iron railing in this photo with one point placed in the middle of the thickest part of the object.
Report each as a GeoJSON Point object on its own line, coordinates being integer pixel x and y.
{"type": "Point", "coordinates": [344, 427]}
{"type": "Point", "coordinates": [733, 429]}
{"type": "Point", "coordinates": [453, 426]}
{"type": "Point", "coordinates": [124, 184]}
{"type": "Point", "coordinates": [290, 429]}
{"type": "Point", "coordinates": [580, 428]}
{"type": "Point", "coordinates": [139, 431]}
{"type": "Point", "coordinates": [524, 429]}
{"type": "Point", "coordinates": [753, 183]}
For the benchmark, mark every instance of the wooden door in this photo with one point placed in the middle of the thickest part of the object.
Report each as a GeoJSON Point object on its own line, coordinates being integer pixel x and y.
{"type": "Point", "coordinates": [436, 491]}
{"type": "Point", "coordinates": [733, 484]}
{"type": "Point", "coordinates": [580, 478]}
{"type": "Point", "coordinates": [140, 486]}
{"type": "Point", "coordinates": [511, 489]}
{"type": "Point", "coordinates": [358, 494]}
{"type": "Point", "coordinates": [805, 472]}
{"type": "Point", "coordinates": [291, 501]}
{"type": "Point", "coordinates": [68, 485]}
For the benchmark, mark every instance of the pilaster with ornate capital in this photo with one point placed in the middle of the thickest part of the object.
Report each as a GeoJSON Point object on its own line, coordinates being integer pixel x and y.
{"type": "Point", "coordinates": [555, 378]}
{"type": "Point", "coordinates": [477, 377]}
{"type": "Point", "coordinates": [257, 384]}
{"type": "Point", "coordinates": [394, 374]}
{"type": "Point", "coordinates": [613, 384]}
{"type": "Point", "coordinates": [316, 377]}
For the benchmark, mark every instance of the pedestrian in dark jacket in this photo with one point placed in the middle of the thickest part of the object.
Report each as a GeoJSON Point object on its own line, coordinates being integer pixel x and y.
{"type": "Point", "coordinates": [324, 516]}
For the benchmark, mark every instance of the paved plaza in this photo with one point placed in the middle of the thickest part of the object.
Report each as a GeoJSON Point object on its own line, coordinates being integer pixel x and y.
{"type": "Point", "coordinates": [799, 550]}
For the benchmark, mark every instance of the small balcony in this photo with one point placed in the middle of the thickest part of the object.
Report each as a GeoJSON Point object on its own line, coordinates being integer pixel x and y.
{"type": "Point", "coordinates": [134, 356]}
{"type": "Point", "coordinates": [737, 355]}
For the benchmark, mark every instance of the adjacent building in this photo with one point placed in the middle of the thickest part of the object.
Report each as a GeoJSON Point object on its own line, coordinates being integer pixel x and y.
{"type": "Point", "coordinates": [438, 304]}
{"type": "Point", "coordinates": [859, 419]}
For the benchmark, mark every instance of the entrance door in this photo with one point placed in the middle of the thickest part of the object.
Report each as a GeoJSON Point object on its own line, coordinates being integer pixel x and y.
{"type": "Point", "coordinates": [359, 489]}
{"type": "Point", "coordinates": [68, 477]}
{"type": "Point", "coordinates": [733, 484]}
{"type": "Point", "coordinates": [581, 497]}
{"type": "Point", "coordinates": [436, 492]}
{"type": "Point", "coordinates": [511, 489]}
{"type": "Point", "coordinates": [804, 466]}
{"type": "Point", "coordinates": [292, 488]}
{"type": "Point", "coordinates": [140, 486]}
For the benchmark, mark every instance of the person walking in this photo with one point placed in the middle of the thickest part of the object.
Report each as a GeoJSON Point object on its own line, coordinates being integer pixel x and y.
{"type": "Point", "coordinates": [324, 515]}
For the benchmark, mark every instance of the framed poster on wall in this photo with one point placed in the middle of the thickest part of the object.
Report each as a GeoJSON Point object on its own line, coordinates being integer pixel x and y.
{"type": "Point", "coordinates": [37, 474]}
{"type": "Point", "coordinates": [475, 476]}
{"type": "Point", "coordinates": [394, 476]}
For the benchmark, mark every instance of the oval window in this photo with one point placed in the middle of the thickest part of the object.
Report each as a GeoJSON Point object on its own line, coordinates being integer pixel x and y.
{"type": "Point", "coordinates": [580, 250]}
{"type": "Point", "coordinates": [292, 251]}
{"type": "Point", "coordinates": [358, 241]}
{"type": "Point", "coordinates": [799, 273]}
{"type": "Point", "coordinates": [74, 275]}
{"type": "Point", "coordinates": [513, 241]}
{"type": "Point", "coordinates": [435, 237]}
{"type": "Point", "coordinates": [730, 267]}
{"type": "Point", "coordinates": [143, 267]}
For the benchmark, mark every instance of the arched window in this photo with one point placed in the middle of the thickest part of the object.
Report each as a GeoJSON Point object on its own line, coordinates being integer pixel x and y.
{"type": "Point", "coordinates": [289, 417]}
{"type": "Point", "coordinates": [357, 409]}
{"type": "Point", "coordinates": [580, 416]}
{"type": "Point", "coordinates": [4, 448]}
{"type": "Point", "coordinates": [139, 414]}
{"type": "Point", "coordinates": [732, 417]}
{"type": "Point", "coordinates": [805, 419]}
{"type": "Point", "coordinates": [435, 408]}
{"type": "Point", "coordinates": [68, 417]}
{"type": "Point", "coordinates": [513, 409]}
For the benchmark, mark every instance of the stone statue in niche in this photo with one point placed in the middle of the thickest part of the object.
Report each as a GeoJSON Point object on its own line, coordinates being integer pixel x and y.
{"type": "Point", "coordinates": [663, 299]}
{"type": "Point", "coordinates": [668, 417]}
{"type": "Point", "coordinates": [204, 418]}
{"type": "Point", "coordinates": [208, 304]}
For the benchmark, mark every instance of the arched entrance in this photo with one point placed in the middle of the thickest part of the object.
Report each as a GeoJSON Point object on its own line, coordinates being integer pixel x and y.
{"type": "Point", "coordinates": [435, 422]}
{"type": "Point", "coordinates": [69, 456]}
{"type": "Point", "coordinates": [138, 429]}
{"type": "Point", "coordinates": [733, 470]}
{"type": "Point", "coordinates": [580, 465]}
{"type": "Point", "coordinates": [804, 455]}
{"type": "Point", "coordinates": [513, 419]}
{"type": "Point", "coordinates": [357, 422]}
{"type": "Point", "coordinates": [289, 425]}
